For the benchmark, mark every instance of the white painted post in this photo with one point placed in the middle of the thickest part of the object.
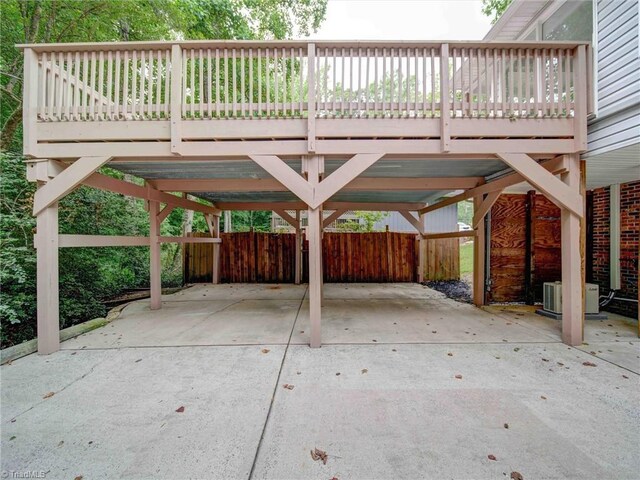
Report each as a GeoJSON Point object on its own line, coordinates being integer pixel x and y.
{"type": "Point", "coordinates": [47, 280]}
{"type": "Point", "coordinates": [572, 305]}
{"type": "Point", "coordinates": [216, 250]}
{"type": "Point", "coordinates": [478, 258]}
{"type": "Point", "coordinates": [155, 270]}
{"type": "Point", "coordinates": [298, 249]}
{"type": "Point", "coordinates": [314, 234]}
{"type": "Point", "coordinates": [422, 247]}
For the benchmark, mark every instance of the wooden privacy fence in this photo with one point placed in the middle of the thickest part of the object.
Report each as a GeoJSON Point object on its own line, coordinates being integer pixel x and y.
{"type": "Point", "coordinates": [252, 257]}
{"type": "Point", "coordinates": [369, 257]}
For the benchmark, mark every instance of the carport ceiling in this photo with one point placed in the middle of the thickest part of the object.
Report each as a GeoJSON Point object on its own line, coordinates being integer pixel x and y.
{"type": "Point", "coordinates": [387, 167]}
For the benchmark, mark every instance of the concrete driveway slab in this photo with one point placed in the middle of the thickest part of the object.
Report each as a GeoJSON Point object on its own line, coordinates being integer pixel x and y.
{"type": "Point", "coordinates": [113, 414]}
{"type": "Point", "coordinates": [408, 416]}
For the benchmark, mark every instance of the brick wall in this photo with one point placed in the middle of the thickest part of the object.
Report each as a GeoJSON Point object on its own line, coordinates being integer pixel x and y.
{"type": "Point", "coordinates": [629, 244]}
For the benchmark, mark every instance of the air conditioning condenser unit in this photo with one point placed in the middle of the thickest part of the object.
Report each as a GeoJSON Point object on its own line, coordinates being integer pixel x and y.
{"type": "Point", "coordinates": [552, 297]}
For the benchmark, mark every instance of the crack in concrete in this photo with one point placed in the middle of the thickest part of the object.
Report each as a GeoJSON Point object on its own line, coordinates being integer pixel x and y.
{"type": "Point", "coordinates": [76, 380]}
{"type": "Point", "coordinates": [275, 388]}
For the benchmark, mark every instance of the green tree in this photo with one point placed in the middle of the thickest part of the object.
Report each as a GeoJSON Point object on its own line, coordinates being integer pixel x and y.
{"type": "Point", "coordinates": [88, 276]}
{"type": "Point", "coordinates": [494, 8]}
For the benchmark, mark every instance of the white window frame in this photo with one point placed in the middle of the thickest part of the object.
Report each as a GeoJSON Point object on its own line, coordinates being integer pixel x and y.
{"type": "Point", "coordinates": [537, 26]}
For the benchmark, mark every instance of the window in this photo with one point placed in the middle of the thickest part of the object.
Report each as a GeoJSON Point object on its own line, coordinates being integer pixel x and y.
{"type": "Point", "coordinates": [572, 21]}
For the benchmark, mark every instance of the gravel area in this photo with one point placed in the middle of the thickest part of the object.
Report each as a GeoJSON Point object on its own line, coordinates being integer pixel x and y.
{"type": "Point", "coordinates": [455, 289]}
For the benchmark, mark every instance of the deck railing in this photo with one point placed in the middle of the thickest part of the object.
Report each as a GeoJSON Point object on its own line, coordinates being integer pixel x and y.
{"type": "Point", "coordinates": [225, 80]}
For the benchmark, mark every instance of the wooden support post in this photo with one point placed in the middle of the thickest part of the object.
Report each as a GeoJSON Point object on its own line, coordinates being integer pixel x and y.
{"type": "Point", "coordinates": [215, 221]}
{"type": "Point", "coordinates": [314, 235]}
{"type": "Point", "coordinates": [478, 258]}
{"type": "Point", "coordinates": [47, 280]}
{"type": "Point", "coordinates": [155, 268]}
{"type": "Point", "coordinates": [572, 307]}
{"type": "Point", "coordinates": [298, 262]}
{"type": "Point", "coordinates": [422, 250]}
{"type": "Point", "coordinates": [529, 255]}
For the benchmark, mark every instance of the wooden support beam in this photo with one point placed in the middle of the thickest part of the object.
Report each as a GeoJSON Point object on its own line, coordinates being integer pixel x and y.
{"type": "Point", "coordinates": [30, 103]}
{"type": "Point", "coordinates": [554, 166]}
{"type": "Point", "coordinates": [462, 234]}
{"type": "Point", "coordinates": [364, 206]}
{"type": "Point", "coordinates": [357, 184]}
{"type": "Point", "coordinates": [189, 240]}
{"type": "Point", "coordinates": [288, 218]}
{"type": "Point", "coordinates": [333, 217]}
{"type": "Point", "coordinates": [66, 181]}
{"type": "Point", "coordinates": [347, 172]}
{"type": "Point", "coordinates": [286, 175]}
{"type": "Point", "coordinates": [572, 303]}
{"type": "Point", "coordinates": [558, 192]}
{"type": "Point", "coordinates": [47, 280]}
{"type": "Point", "coordinates": [71, 241]}
{"type": "Point", "coordinates": [110, 184]}
{"type": "Point", "coordinates": [417, 224]}
{"type": "Point", "coordinates": [164, 213]}
{"type": "Point", "coordinates": [479, 259]}
{"type": "Point", "coordinates": [155, 267]}
{"type": "Point", "coordinates": [485, 206]}
{"type": "Point", "coordinates": [176, 100]}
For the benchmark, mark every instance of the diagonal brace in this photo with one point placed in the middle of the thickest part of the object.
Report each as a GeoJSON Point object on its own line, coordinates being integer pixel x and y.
{"type": "Point", "coordinates": [70, 178]}
{"type": "Point", "coordinates": [286, 175]}
{"type": "Point", "coordinates": [484, 207]}
{"type": "Point", "coordinates": [557, 191]}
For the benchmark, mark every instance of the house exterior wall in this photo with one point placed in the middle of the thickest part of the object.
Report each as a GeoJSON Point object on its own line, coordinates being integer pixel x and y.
{"type": "Point", "coordinates": [629, 245]}
{"type": "Point", "coordinates": [617, 122]}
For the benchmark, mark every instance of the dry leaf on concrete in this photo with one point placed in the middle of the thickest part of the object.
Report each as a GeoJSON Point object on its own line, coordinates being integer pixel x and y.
{"type": "Point", "coordinates": [265, 350]}
{"type": "Point", "coordinates": [459, 377]}
{"type": "Point", "coordinates": [588, 364]}
{"type": "Point", "coordinates": [491, 457]}
{"type": "Point", "coordinates": [516, 476]}
{"type": "Point", "coordinates": [287, 386]}
{"type": "Point", "coordinates": [180, 410]}
{"type": "Point", "coordinates": [48, 395]}
{"type": "Point", "coordinates": [321, 455]}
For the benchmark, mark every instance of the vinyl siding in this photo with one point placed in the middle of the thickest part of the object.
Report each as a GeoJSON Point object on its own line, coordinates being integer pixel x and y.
{"type": "Point", "coordinates": [618, 78]}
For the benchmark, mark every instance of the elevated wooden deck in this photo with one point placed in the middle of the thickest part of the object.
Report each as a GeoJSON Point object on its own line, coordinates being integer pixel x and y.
{"type": "Point", "coordinates": [240, 98]}
{"type": "Point", "coordinates": [287, 126]}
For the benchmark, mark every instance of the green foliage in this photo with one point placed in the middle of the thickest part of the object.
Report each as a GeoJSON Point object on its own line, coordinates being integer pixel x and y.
{"type": "Point", "coordinates": [465, 212]}
{"type": "Point", "coordinates": [494, 8]}
{"type": "Point", "coordinates": [244, 221]}
{"type": "Point", "coordinates": [466, 258]}
{"type": "Point", "coordinates": [89, 276]}
{"type": "Point", "coordinates": [365, 222]}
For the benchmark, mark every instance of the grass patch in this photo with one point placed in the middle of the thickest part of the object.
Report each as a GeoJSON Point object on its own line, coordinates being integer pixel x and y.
{"type": "Point", "coordinates": [466, 258]}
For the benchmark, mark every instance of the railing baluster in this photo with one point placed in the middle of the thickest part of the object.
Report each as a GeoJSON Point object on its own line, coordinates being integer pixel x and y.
{"type": "Point", "coordinates": [301, 99]}
{"type": "Point", "coordinates": [143, 75]}
{"type": "Point", "coordinates": [399, 82]}
{"type": "Point", "coordinates": [276, 90]}
{"type": "Point", "coordinates": [218, 99]}
{"type": "Point", "coordinates": [359, 80]}
{"type": "Point", "coordinates": [284, 82]}
{"type": "Point", "coordinates": [242, 83]}
{"type": "Point", "coordinates": [267, 71]}
{"type": "Point", "coordinates": [292, 62]}
{"type": "Point", "coordinates": [375, 83]}
{"type": "Point", "coordinates": [544, 77]}
{"type": "Point", "coordinates": [201, 83]}
{"type": "Point", "coordinates": [350, 95]}
{"type": "Point", "coordinates": [567, 82]}
{"type": "Point", "coordinates": [109, 84]}
{"type": "Point", "coordinates": [134, 84]}
{"type": "Point", "coordinates": [209, 85]}
{"type": "Point", "coordinates": [251, 112]}
{"type": "Point", "coordinates": [125, 87]}
{"type": "Point", "coordinates": [366, 90]}
{"type": "Point", "coordinates": [259, 83]}
{"type": "Point", "coordinates": [59, 86]}
{"type": "Point", "coordinates": [528, 83]}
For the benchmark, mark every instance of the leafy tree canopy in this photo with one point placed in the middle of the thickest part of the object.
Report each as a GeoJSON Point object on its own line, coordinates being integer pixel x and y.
{"type": "Point", "coordinates": [494, 8]}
